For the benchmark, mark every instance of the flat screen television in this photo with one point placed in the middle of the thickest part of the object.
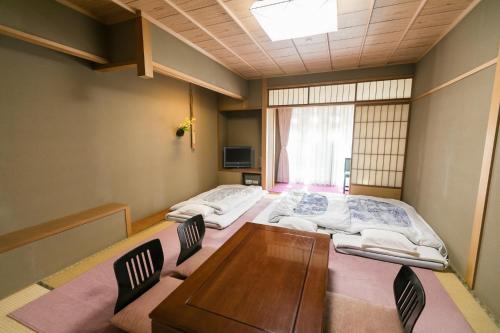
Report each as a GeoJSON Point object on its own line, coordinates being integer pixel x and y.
{"type": "Point", "coordinates": [237, 157]}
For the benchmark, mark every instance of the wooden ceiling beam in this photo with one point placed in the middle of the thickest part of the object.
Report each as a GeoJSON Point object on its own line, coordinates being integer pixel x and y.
{"type": "Point", "coordinates": [124, 6]}
{"type": "Point", "coordinates": [240, 24]}
{"type": "Point", "coordinates": [329, 52]}
{"type": "Point", "coordinates": [50, 44]}
{"type": "Point", "coordinates": [451, 26]}
{"type": "Point", "coordinates": [144, 50]}
{"type": "Point", "coordinates": [197, 24]}
{"type": "Point", "coordinates": [168, 71]}
{"type": "Point", "coordinates": [179, 37]}
{"type": "Point", "coordinates": [115, 66]}
{"type": "Point", "coordinates": [414, 17]}
{"type": "Point", "coordinates": [236, 59]}
{"type": "Point", "coordinates": [300, 57]}
{"type": "Point", "coordinates": [81, 10]}
{"type": "Point", "coordinates": [372, 7]}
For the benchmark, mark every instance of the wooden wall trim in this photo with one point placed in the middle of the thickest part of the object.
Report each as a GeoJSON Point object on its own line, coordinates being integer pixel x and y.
{"type": "Point", "coordinates": [484, 180]}
{"type": "Point", "coordinates": [458, 78]}
{"type": "Point", "coordinates": [116, 66]}
{"type": "Point", "coordinates": [40, 41]}
{"type": "Point", "coordinates": [164, 70]}
{"type": "Point", "coordinates": [144, 50]}
{"type": "Point", "coordinates": [29, 235]}
{"type": "Point", "coordinates": [149, 221]}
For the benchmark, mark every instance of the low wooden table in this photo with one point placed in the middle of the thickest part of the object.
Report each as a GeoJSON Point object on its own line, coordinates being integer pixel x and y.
{"type": "Point", "coordinates": [263, 279]}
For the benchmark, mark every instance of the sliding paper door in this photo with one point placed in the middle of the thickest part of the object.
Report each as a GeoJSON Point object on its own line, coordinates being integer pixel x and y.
{"type": "Point", "coordinates": [378, 151]}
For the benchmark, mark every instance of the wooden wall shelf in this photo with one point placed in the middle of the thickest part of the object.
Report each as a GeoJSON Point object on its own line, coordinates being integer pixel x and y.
{"type": "Point", "coordinates": [29, 235]}
{"type": "Point", "coordinates": [241, 110]}
{"type": "Point", "coordinates": [247, 170]}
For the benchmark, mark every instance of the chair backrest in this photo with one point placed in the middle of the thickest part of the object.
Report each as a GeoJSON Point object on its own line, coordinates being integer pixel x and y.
{"type": "Point", "coordinates": [137, 271]}
{"type": "Point", "coordinates": [409, 296]}
{"type": "Point", "coordinates": [347, 165]}
{"type": "Point", "coordinates": [191, 234]}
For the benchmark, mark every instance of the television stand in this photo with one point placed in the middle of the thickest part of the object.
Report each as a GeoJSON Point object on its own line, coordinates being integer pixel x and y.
{"type": "Point", "coordinates": [242, 170]}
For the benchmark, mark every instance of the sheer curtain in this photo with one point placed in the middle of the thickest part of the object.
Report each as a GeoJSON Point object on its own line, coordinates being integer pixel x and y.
{"type": "Point", "coordinates": [320, 139]}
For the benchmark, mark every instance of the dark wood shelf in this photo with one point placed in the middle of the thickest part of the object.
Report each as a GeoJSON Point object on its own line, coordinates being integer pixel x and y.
{"type": "Point", "coordinates": [242, 170]}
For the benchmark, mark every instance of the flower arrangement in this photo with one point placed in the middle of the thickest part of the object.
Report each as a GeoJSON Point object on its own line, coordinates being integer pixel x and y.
{"type": "Point", "coordinates": [185, 126]}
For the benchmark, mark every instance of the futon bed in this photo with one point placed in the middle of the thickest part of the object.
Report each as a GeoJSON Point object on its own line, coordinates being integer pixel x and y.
{"type": "Point", "coordinates": [220, 207]}
{"type": "Point", "coordinates": [377, 228]}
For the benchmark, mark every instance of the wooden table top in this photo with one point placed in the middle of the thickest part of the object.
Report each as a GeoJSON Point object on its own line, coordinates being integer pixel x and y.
{"type": "Point", "coordinates": [263, 279]}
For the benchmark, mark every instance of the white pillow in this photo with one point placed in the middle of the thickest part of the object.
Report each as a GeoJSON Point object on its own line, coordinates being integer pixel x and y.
{"type": "Point", "coordinates": [196, 209]}
{"type": "Point", "coordinates": [298, 224]}
{"type": "Point", "coordinates": [387, 240]}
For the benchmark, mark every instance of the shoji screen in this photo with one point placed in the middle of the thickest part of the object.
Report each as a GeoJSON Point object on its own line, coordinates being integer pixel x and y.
{"type": "Point", "coordinates": [379, 144]}
{"type": "Point", "coordinates": [334, 93]}
{"type": "Point", "coordinates": [292, 96]}
{"type": "Point", "coordinates": [342, 93]}
{"type": "Point", "coordinates": [386, 89]}
{"type": "Point", "coordinates": [327, 94]}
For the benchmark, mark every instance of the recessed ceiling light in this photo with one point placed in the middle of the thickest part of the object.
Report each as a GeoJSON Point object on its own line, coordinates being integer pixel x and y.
{"type": "Point", "coordinates": [287, 19]}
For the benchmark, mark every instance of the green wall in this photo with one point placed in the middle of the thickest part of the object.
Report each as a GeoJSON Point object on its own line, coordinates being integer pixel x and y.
{"type": "Point", "coordinates": [446, 141]}
{"type": "Point", "coordinates": [171, 52]}
{"type": "Point", "coordinates": [72, 139]}
{"type": "Point", "coordinates": [53, 21]}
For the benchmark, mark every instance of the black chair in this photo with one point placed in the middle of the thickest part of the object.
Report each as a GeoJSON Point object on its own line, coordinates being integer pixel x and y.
{"type": "Point", "coordinates": [191, 234]}
{"type": "Point", "coordinates": [410, 301]}
{"type": "Point", "coordinates": [409, 296]}
{"type": "Point", "coordinates": [347, 174]}
{"type": "Point", "coordinates": [137, 271]}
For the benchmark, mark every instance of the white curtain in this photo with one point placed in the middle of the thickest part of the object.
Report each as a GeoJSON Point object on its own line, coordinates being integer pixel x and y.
{"type": "Point", "coordinates": [320, 139]}
{"type": "Point", "coordinates": [284, 119]}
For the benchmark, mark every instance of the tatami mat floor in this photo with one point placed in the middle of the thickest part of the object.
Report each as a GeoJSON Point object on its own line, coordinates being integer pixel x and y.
{"type": "Point", "coordinates": [15, 301]}
{"type": "Point", "coordinates": [470, 308]}
{"type": "Point", "coordinates": [472, 311]}
{"type": "Point", "coordinates": [71, 272]}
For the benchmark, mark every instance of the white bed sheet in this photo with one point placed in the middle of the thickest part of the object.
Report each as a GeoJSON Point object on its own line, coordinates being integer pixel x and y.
{"type": "Point", "coordinates": [429, 257]}
{"type": "Point", "coordinates": [221, 221]}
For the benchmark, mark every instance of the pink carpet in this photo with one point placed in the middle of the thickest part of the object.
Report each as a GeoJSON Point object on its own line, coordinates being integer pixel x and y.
{"type": "Point", "coordinates": [371, 280]}
{"type": "Point", "coordinates": [283, 187]}
{"type": "Point", "coordinates": [86, 303]}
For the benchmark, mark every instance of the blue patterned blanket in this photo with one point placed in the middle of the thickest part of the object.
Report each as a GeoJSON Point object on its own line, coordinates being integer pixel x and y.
{"type": "Point", "coordinates": [370, 211]}
{"type": "Point", "coordinates": [312, 204]}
